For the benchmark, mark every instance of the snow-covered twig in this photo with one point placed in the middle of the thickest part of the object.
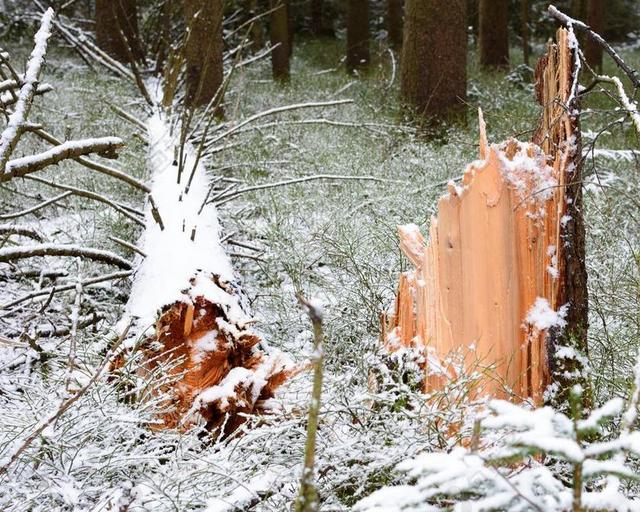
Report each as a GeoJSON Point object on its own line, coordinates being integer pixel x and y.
{"type": "Point", "coordinates": [11, 229]}
{"type": "Point", "coordinates": [63, 407]}
{"type": "Point", "coordinates": [629, 105]}
{"type": "Point", "coordinates": [14, 129]}
{"type": "Point", "coordinates": [128, 211]}
{"type": "Point", "coordinates": [104, 146]}
{"type": "Point", "coordinates": [594, 36]}
{"type": "Point", "coordinates": [30, 251]}
{"type": "Point", "coordinates": [35, 208]}
{"type": "Point", "coordinates": [62, 288]}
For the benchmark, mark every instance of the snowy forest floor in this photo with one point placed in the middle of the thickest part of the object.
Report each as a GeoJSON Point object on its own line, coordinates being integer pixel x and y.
{"type": "Point", "coordinates": [335, 240]}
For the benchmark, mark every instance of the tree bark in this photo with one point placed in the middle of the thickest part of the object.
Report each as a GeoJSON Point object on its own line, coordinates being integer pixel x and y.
{"type": "Point", "coordinates": [357, 35]}
{"type": "Point", "coordinates": [280, 37]}
{"type": "Point", "coordinates": [525, 31]}
{"type": "Point", "coordinates": [394, 23]}
{"type": "Point", "coordinates": [493, 36]}
{"type": "Point", "coordinates": [203, 51]}
{"type": "Point", "coordinates": [434, 58]}
{"type": "Point", "coordinates": [113, 16]}
{"type": "Point", "coordinates": [595, 18]}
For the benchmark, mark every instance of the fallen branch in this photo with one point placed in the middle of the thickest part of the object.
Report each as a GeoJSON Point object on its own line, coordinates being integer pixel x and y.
{"type": "Point", "coordinates": [12, 254]}
{"type": "Point", "coordinates": [35, 208]}
{"type": "Point", "coordinates": [105, 146]}
{"type": "Point", "coordinates": [14, 129]}
{"type": "Point", "coordinates": [95, 166]}
{"type": "Point", "coordinates": [10, 229]}
{"type": "Point", "coordinates": [129, 212]}
{"type": "Point", "coordinates": [63, 288]}
{"type": "Point", "coordinates": [235, 193]}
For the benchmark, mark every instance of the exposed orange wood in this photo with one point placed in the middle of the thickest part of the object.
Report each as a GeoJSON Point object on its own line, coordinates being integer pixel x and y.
{"type": "Point", "coordinates": [493, 249]}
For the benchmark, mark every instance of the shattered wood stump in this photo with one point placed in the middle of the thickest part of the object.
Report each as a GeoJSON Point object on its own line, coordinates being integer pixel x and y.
{"type": "Point", "coordinates": [197, 355]}
{"type": "Point", "coordinates": [491, 283]}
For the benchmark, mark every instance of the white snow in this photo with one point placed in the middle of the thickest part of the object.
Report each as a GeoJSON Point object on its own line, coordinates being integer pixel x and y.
{"type": "Point", "coordinates": [172, 257]}
{"type": "Point", "coordinates": [542, 316]}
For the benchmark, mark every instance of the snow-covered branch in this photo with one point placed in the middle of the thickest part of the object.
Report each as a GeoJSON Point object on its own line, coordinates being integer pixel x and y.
{"type": "Point", "coordinates": [105, 146]}
{"type": "Point", "coordinates": [14, 129]}
{"type": "Point", "coordinates": [30, 251]}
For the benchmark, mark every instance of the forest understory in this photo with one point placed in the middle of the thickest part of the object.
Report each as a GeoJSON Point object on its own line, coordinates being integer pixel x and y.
{"type": "Point", "coordinates": [332, 238]}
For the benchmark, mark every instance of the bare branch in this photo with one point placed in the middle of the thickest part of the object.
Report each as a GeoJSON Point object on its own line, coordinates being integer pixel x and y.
{"type": "Point", "coordinates": [11, 229]}
{"type": "Point", "coordinates": [55, 289]}
{"type": "Point", "coordinates": [126, 211]}
{"type": "Point", "coordinates": [35, 208]}
{"type": "Point", "coordinates": [30, 251]}
{"type": "Point", "coordinates": [594, 36]}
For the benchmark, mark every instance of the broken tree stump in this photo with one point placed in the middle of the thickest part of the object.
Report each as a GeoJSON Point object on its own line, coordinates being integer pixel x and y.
{"type": "Point", "coordinates": [501, 279]}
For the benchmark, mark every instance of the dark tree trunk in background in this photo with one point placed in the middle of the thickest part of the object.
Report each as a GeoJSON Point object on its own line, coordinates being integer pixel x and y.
{"type": "Point", "coordinates": [394, 23]}
{"type": "Point", "coordinates": [357, 35]}
{"type": "Point", "coordinates": [595, 19]}
{"type": "Point", "coordinates": [257, 39]}
{"type": "Point", "coordinates": [525, 31]}
{"type": "Point", "coordinates": [203, 51]}
{"type": "Point", "coordinates": [493, 33]}
{"type": "Point", "coordinates": [280, 36]}
{"type": "Point", "coordinates": [112, 17]}
{"type": "Point", "coordinates": [434, 58]}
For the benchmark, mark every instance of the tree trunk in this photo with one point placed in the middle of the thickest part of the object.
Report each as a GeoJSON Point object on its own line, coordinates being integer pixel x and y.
{"type": "Point", "coordinates": [595, 19]}
{"type": "Point", "coordinates": [525, 31]}
{"type": "Point", "coordinates": [203, 51]}
{"type": "Point", "coordinates": [319, 25]}
{"type": "Point", "coordinates": [256, 29]}
{"type": "Point", "coordinates": [357, 35]}
{"type": "Point", "coordinates": [280, 37]}
{"type": "Point", "coordinates": [493, 36]}
{"type": "Point", "coordinates": [394, 23]}
{"type": "Point", "coordinates": [434, 58]}
{"type": "Point", "coordinates": [112, 17]}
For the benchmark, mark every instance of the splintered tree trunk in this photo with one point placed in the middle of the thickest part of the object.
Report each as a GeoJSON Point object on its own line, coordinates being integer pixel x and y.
{"type": "Point", "coordinates": [117, 27]}
{"type": "Point", "coordinates": [493, 36]}
{"type": "Point", "coordinates": [394, 23]}
{"type": "Point", "coordinates": [280, 39]}
{"type": "Point", "coordinates": [434, 58]}
{"type": "Point", "coordinates": [555, 92]}
{"type": "Point", "coordinates": [499, 289]}
{"type": "Point", "coordinates": [357, 35]}
{"type": "Point", "coordinates": [595, 19]}
{"type": "Point", "coordinates": [203, 50]}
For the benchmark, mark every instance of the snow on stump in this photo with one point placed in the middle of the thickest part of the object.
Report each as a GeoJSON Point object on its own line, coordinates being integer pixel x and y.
{"type": "Point", "coordinates": [488, 286]}
{"type": "Point", "coordinates": [200, 357]}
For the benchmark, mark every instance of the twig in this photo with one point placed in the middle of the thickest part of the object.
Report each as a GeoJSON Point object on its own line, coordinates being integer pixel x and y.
{"type": "Point", "coordinates": [55, 289]}
{"type": "Point", "coordinates": [128, 245]}
{"type": "Point", "coordinates": [65, 405]}
{"type": "Point", "coordinates": [594, 36]}
{"type": "Point", "coordinates": [125, 210]}
{"type": "Point", "coordinates": [235, 193]}
{"type": "Point", "coordinates": [10, 229]}
{"type": "Point", "coordinates": [35, 208]}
